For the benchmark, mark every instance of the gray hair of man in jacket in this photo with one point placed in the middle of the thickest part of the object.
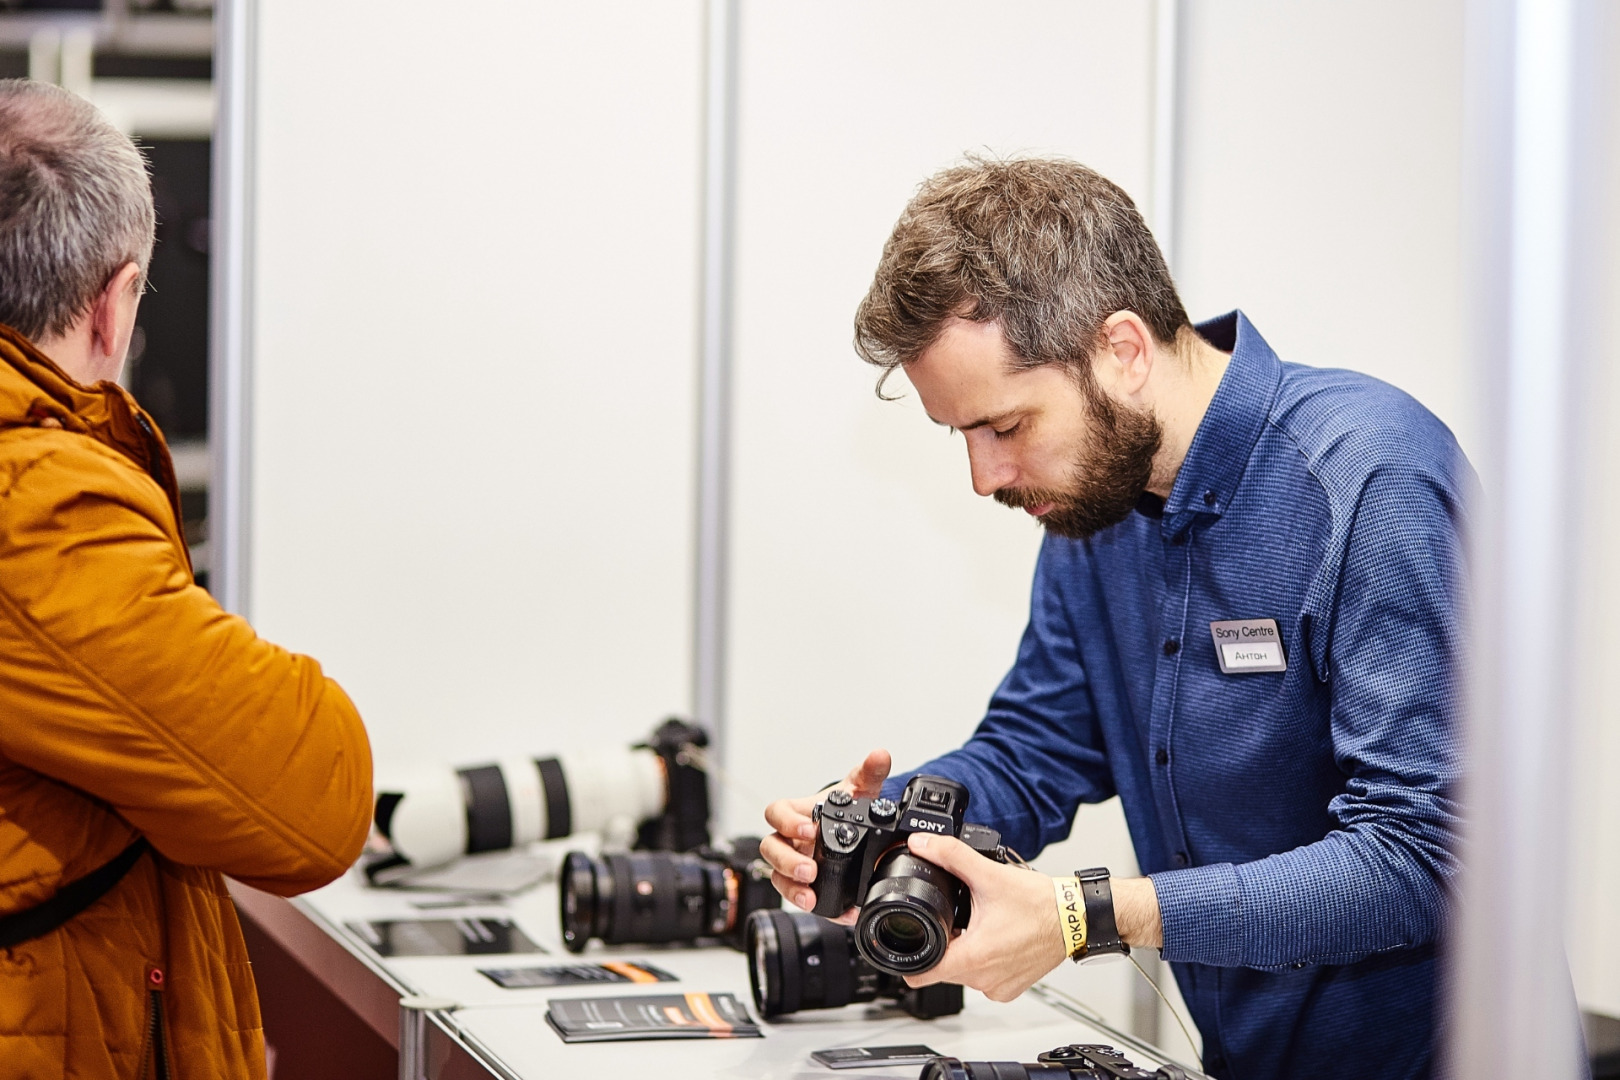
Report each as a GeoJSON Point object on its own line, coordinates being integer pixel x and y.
{"type": "Point", "coordinates": [75, 208]}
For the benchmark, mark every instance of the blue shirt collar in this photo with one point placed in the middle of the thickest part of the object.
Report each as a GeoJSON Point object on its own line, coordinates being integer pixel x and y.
{"type": "Point", "coordinates": [1231, 425]}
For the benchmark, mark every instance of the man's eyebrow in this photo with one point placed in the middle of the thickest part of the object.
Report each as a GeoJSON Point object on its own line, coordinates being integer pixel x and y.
{"type": "Point", "coordinates": [986, 421]}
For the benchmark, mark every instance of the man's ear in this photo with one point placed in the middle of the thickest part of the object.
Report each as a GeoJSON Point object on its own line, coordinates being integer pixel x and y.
{"type": "Point", "coordinates": [112, 316]}
{"type": "Point", "coordinates": [1130, 347]}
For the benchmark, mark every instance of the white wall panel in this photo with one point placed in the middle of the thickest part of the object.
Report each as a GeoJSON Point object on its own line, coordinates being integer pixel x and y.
{"type": "Point", "coordinates": [474, 362]}
{"type": "Point", "coordinates": [1322, 174]}
{"type": "Point", "coordinates": [876, 601]}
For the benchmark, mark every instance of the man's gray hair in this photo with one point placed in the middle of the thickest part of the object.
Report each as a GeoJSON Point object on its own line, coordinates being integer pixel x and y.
{"type": "Point", "coordinates": [75, 207]}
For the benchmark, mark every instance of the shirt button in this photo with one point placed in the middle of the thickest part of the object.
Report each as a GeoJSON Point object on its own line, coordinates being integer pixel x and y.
{"type": "Point", "coordinates": [1209, 498]}
{"type": "Point", "coordinates": [1162, 757]}
{"type": "Point", "coordinates": [1172, 646]}
{"type": "Point", "coordinates": [1179, 539]}
{"type": "Point", "coordinates": [1181, 858]}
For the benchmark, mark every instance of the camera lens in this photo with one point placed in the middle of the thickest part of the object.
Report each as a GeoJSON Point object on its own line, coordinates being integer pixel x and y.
{"type": "Point", "coordinates": [802, 961]}
{"type": "Point", "coordinates": [579, 899]}
{"type": "Point", "coordinates": [908, 913]}
{"type": "Point", "coordinates": [645, 898]}
{"type": "Point", "coordinates": [900, 932]}
{"type": "Point", "coordinates": [956, 1069]}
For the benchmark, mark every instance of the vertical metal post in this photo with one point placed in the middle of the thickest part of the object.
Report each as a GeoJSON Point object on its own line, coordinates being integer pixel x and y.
{"type": "Point", "coordinates": [1165, 201]}
{"type": "Point", "coordinates": [413, 1033]}
{"type": "Point", "coordinates": [231, 303]}
{"type": "Point", "coordinates": [714, 379]}
{"type": "Point", "coordinates": [1513, 1010]}
{"type": "Point", "coordinates": [1167, 61]}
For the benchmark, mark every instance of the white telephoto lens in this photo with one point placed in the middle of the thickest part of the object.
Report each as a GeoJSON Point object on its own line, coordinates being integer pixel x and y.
{"type": "Point", "coordinates": [429, 824]}
{"type": "Point", "coordinates": [527, 801]}
{"type": "Point", "coordinates": [617, 784]}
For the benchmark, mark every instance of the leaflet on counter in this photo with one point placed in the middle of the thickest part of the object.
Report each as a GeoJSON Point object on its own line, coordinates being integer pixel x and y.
{"type": "Point", "coordinates": [660, 1016]}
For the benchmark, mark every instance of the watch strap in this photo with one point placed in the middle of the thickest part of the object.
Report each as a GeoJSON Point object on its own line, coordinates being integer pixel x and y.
{"type": "Point", "coordinates": [1102, 931]}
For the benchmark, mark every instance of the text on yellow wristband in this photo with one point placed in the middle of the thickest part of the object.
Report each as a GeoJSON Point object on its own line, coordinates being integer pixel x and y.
{"type": "Point", "coordinates": [1071, 907]}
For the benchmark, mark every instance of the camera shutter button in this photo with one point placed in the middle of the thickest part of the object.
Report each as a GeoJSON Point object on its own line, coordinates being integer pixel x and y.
{"type": "Point", "coordinates": [883, 811]}
{"type": "Point", "coordinates": [839, 797]}
{"type": "Point", "coordinates": [844, 835]}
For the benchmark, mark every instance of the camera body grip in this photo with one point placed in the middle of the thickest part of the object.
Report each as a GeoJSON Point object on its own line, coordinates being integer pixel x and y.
{"type": "Point", "coordinates": [838, 866]}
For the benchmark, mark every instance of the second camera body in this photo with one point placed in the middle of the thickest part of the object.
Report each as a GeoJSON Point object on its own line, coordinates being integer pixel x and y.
{"type": "Point", "coordinates": [801, 961]}
{"type": "Point", "coordinates": [1091, 1062]}
{"type": "Point", "coordinates": [909, 906]}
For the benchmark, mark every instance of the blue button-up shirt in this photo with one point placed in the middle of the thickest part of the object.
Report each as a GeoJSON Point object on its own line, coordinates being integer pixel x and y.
{"type": "Point", "coordinates": [1298, 826]}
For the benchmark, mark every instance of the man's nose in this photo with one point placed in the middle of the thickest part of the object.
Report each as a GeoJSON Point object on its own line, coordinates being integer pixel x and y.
{"type": "Point", "coordinates": [991, 471]}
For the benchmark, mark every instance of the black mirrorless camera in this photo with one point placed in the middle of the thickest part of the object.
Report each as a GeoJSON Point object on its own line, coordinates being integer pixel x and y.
{"type": "Point", "coordinates": [1064, 1063]}
{"type": "Point", "coordinates": [800, 961]}
{"type": "Point", "coordinates": [909, 906]}
{"type": "Point", "coordinates": [652, 897]}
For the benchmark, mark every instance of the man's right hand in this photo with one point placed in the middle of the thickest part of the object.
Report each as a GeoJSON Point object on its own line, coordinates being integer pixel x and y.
{"type": "Point", "coordinates": [788, 848]}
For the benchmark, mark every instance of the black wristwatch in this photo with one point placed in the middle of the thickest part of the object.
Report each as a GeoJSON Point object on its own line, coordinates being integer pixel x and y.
{"type": "Point", "coordinates": [1102, 932]}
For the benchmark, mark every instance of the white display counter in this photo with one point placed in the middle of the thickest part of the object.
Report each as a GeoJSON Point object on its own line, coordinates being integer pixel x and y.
{"type": "Point", "coordinates": [484, 1029]}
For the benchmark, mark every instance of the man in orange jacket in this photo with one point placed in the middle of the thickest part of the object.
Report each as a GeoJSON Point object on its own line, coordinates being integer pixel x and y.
{"type": "Point", "coordinates": [149, 741]}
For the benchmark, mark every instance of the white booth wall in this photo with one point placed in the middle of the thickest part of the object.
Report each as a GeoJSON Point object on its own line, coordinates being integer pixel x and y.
{"type": "Point", "coordinates": [475, 263]}
{"type": "Point", "coordinates": [475, 297]}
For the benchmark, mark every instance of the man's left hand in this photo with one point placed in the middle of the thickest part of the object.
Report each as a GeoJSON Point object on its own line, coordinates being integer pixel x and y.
{"type": "Point", "coordinates": [1012, 938]}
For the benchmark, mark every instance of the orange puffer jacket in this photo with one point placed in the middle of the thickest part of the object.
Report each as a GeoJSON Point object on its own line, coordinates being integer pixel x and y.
{"type": "Point", "coordinates": [132, 705]}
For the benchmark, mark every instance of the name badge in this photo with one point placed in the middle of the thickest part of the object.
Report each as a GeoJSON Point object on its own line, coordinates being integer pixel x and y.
{"type": "Point", "coordinates": [1248, 646]}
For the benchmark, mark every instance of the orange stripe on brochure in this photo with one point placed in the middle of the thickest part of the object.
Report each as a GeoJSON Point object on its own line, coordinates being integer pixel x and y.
{"type": "Point", "coordinates": [630, 971]}
{"type": "Point", "coordinates": [704, 1010]}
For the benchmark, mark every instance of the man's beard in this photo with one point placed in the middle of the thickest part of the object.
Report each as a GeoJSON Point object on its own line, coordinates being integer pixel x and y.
{"type": "Point", "coordinates": [1113, 467]}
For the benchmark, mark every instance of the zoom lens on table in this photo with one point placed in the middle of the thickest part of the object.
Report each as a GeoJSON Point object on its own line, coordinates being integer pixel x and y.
{"type": "Point", "coordinates": [799, 961]}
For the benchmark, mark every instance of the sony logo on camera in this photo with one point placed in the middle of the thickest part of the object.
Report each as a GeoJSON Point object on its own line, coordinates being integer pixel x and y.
{"type": "Point", "coordinates": [929, 823]}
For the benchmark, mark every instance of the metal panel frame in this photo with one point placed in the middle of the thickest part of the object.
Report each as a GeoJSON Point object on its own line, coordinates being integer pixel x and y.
{"type": "Point", "coordinates": [231, 302]}
{"type": "Point", "coordinates": [715, 373]}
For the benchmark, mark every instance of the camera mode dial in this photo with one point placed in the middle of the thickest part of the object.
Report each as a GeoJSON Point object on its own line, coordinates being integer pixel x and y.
{"type": "Point", "coordinates": [883, 812]}
{"type": "Point", "coordinates": [839, 797]}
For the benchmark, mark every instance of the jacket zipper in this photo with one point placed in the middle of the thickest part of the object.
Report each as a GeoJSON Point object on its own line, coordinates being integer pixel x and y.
{"type": "Point", "coordinates": [159, 1059]}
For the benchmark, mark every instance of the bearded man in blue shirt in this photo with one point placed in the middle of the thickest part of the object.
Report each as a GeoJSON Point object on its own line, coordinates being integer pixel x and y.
{"type": "Point", "coordinates": [1245, 622]}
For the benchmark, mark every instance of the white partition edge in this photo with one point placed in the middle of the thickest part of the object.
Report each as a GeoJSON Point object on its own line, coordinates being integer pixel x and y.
{"type": "Point", "coordinates": [230, 304]}
{"type": "Point", "coordinates": [1512, 1000]}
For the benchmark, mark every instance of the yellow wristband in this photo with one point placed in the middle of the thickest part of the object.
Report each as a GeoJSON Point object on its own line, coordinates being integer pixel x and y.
{"type": "Point", "coordinates": [1071, 906]}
